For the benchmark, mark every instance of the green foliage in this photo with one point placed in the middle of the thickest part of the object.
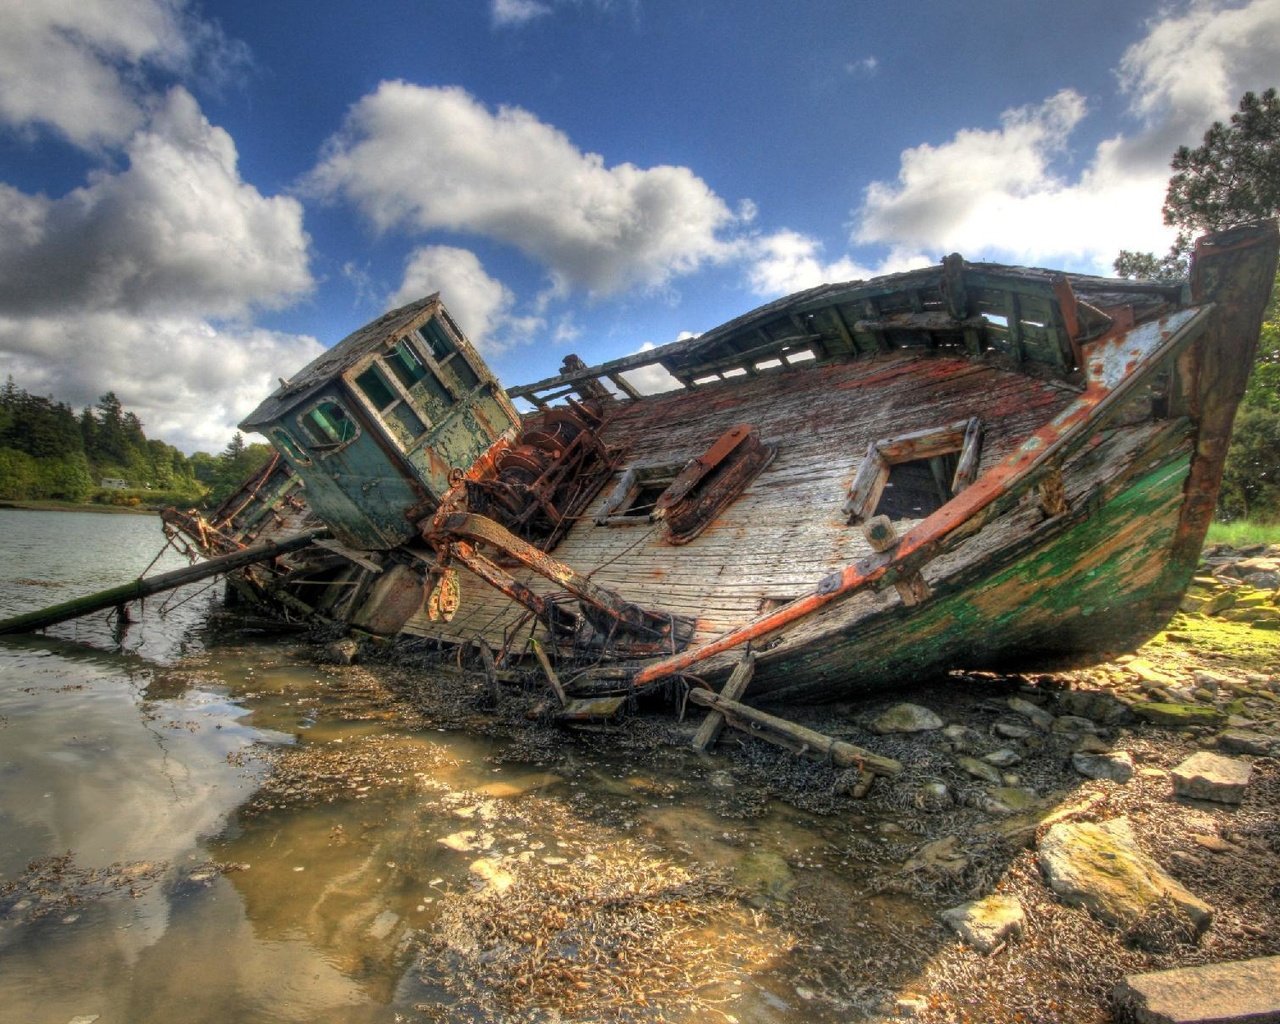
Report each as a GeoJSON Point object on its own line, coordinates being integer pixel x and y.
{"type": "Point", "coordinates": [48, 452]}
{"type": "Point", "coordinates": [1251, 479]}
{"type": "Point", "coordinates": [1233, 177]}
{"type": "Point", "coordinates": [231, 468]}
{"type": "Point", "coordinates": [1173, 266]}
{"type": "Point", "coordinates": [1243, 533]}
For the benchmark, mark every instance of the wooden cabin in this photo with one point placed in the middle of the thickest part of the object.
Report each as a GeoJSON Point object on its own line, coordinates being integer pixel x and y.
{"type": "Point", "coordinates": [375, 425]}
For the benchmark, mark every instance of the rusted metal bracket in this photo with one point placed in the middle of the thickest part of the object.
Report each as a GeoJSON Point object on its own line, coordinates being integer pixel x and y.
{"type": "Point", "coordinates": [708, 483]}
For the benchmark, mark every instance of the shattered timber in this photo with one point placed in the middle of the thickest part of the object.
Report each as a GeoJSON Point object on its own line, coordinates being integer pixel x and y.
{"type": "Point", "coordinates": [968, 466]}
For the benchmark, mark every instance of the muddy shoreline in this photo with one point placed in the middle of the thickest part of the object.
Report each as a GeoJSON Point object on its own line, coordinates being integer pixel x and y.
{"type": "Point", "coordinates": [538, 873]}
{"type": "Point", "coordinates": [942, 833]}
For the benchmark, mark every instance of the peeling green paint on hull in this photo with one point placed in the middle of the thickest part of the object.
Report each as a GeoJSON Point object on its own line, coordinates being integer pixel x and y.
{"type": "Point", "coordinates": [1103, 586]}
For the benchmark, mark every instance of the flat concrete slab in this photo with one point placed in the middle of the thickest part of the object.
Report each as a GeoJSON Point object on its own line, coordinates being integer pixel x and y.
{"type": "Point", "coordinates": [1239, 992]}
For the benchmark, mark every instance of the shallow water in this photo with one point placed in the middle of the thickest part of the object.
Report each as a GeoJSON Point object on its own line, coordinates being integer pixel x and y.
{"type": "Point", "coordinates": [186, 892]}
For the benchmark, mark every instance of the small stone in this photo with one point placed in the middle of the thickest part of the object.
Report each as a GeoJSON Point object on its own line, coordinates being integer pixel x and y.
{"type": "Point", "coordinates": [905, 718]}
{"type": "Point", "coordinates": [342, 652]}
{"type": "Point", "coordinates": [1226, 993]}
{"type": "Point", "coordinates": [979, 769]}
{"type": "Point", "coordinates": [1116, 766]}
{"type": "Point", "coordinates": [933, 796]}
{"type": "Point", "coordinates": [1035, 714]}
{"type": "Point", "coordinates": [1208, 776]}
{"type": "Point", "coordinates": [1091, 744]}
{"type": "Point", "coordinates": [1215, 844]}
{"type": "Point", "coordinates": [1012, 730]}
{"type": "Point", "coordinates": [1015, 799]}
{"type": "Point", "coordinates": [942, 857]}
{"type": "Point", "coordinates": [986, 923]}
{"type": "Point", "coordinates": [1177, 716]}
{"type": "Point", "coordinates": [383, 925]}
{"type": "Point", "coordinates": [1072, 725]}
{"type": "Point", "coordinates": [961, 738]}
{"type": "Point", "coordinates": [1003, 758]}
{"type": "Point", "coordinates": [494, 876]}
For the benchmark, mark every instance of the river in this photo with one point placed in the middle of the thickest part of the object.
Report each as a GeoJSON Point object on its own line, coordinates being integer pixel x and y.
{"type": "Point", "coordinates": [198, 827]}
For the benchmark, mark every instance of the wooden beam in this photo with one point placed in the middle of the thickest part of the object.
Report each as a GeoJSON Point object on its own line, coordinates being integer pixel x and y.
{"type": "Point", "coordinates": [552, 678]}
{"type": "Point", "coordinates": [806, 742]}
{"type": "Point", "coordinates": [882, 536]}
{"type": "Point", "coordinates": [736, 686]}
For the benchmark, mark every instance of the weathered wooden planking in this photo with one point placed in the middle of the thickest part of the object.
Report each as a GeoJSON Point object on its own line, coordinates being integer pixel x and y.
{"type": "Point", "coordinates": [785, 532]}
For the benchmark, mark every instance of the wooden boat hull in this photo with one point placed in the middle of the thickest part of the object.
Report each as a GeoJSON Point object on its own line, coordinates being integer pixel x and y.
{"type": "Point", "coordinates": [1074, 430]}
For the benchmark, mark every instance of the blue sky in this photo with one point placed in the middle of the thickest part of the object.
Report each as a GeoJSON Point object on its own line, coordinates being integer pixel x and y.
{"type": "Point", "coordinates": [196, 198]}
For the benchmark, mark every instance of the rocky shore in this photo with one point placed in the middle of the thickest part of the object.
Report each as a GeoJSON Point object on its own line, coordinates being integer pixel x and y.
{"type": "Point", "coordinates": [1063, 836]}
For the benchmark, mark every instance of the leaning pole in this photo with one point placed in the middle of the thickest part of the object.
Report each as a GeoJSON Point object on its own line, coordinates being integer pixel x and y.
{"type": "Point", "coordinates": [146, 586]}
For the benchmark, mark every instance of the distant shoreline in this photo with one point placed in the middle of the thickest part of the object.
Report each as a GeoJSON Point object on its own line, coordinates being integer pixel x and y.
{"type": "Point", "coordinates": [73, 506]}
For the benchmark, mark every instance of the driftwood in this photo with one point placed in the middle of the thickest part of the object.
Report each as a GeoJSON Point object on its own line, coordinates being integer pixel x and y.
{"type": "Point", "coordinates": [117, 597]}
{"type": "Point", "coordinates": [807, 742]}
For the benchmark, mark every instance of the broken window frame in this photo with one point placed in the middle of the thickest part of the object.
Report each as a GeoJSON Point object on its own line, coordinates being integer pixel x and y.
{"type": "Point", "coordinates": [290, 445]}
{"type": "Point", "coordinates": [326, 448]}
{"type": "Point", "coordinates": [446, 352]}
{"type": "Point", "coordinates": [963, 437]}
{"type": "Point", "coordinates": [401, 404]}
{"type": "Point", "coordinates": [619, 507]}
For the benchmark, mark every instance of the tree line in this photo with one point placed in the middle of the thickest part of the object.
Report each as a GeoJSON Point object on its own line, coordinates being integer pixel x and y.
{"type": "Point", "coordinates": [103, 455]}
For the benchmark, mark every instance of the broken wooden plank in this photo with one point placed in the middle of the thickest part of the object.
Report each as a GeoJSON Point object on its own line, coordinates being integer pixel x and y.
{"type": "Point", "coordinates": [552, 678]}
{"type": "Point", "coordinates": [733, 689]}
{"type": "Point", "coordinates": [804, 741]}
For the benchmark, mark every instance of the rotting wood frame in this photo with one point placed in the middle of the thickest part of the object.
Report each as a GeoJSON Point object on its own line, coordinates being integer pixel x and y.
{"type": "Point", "coordinates": [963, 437]}
{"type": "Point", "coordinates": [1118, 364]}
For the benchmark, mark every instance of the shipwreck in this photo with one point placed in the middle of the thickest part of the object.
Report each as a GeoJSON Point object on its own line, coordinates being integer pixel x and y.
{"type": "Point", "coordinates": [970, 466]}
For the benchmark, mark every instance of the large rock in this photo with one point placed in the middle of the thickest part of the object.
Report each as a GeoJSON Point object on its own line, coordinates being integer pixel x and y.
{"type": "Point", "coordinates": [1247, 741]}
{"type": "Point", "coordinates": [979, 769]}
{"type": "Point", "coordinates": [905, 718]}
{"type": "Point", "coordinates": [986, 923]}
{"type": "Point", "coordinates": [1209, 776]}
{"type": "Point", "coordinates": [1243, 991]}
{"type": "Point", "coordinates": [1177, 716]}
{"type": "Point", "coordinates": [1100, 868]}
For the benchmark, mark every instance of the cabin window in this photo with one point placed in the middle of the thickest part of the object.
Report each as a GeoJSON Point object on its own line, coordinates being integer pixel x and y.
{"type": "Point", "coordinates": [406, 364]}
{"type": "Point", "coordinates": [913, 475]}
{"type": "Point", "coordinates": [285, 442]}
{"type": "Point", "coordinates": [396, 413]}
{"type": "Point", "coordinates": [376, 389]}
{"type": "Point", "coordinates": [447, 353]}
{"type": "Point", "coordinates": [328, 425]}
{"type": "Point", "coordinates": [434, 387]}
{"type": "Point", "coordinates": [438, 340]}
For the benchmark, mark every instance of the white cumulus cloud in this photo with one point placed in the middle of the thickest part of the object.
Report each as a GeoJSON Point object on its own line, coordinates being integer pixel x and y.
{"type": "Point", "coordinates": [507, 13]}
{"type": "Point", "coordinates": [435, 158]}
{"type": "Point", "coordinates": [177, 230]}
{"type": "Point", "coordinates": [788, 261]}
{"type": "Point", "coordinates": [78, 67]}
{"type": "Point", "coordinates": [1001, 192]}
{"type": "Point", "coordinates": [481, 305]}
{"type": "Point", "coordinates": [189, 380]}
